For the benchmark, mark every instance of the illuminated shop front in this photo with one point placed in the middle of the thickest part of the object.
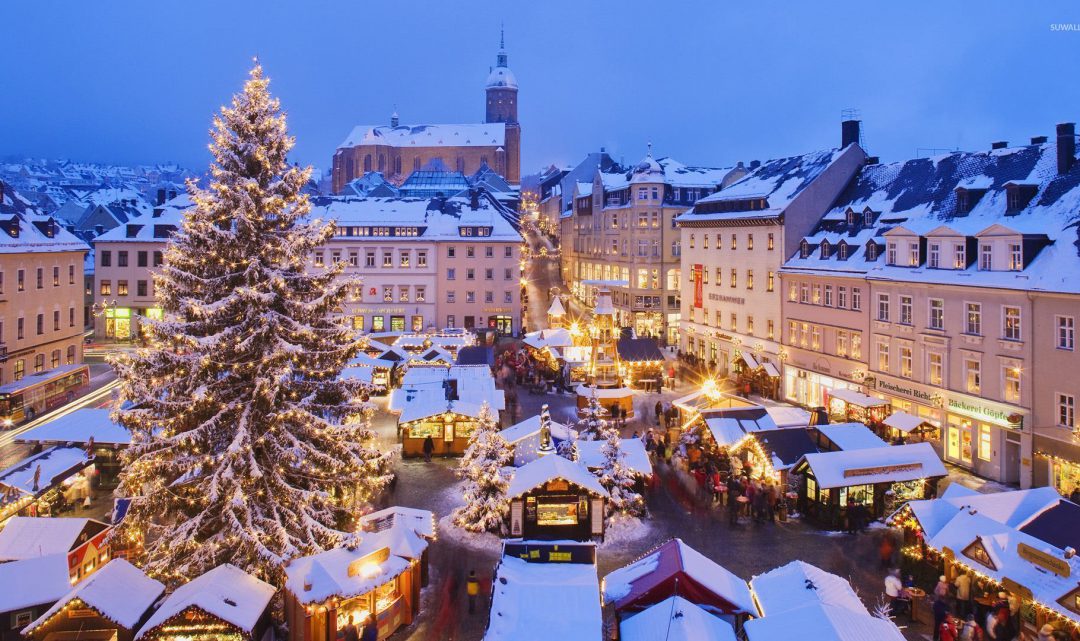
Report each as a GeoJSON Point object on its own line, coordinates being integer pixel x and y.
{"type": "Point", "coordinates": [921, 401]}
{"type": "Point", "coordinates": [449, 428]}
{"type": "Point", "coordinates": [552, 498]}
{"type": "Point", "coordinates": [118, 323]}
{"type": "Point", "coordinates": [985, 437]}
{"type": "Point", "coordinates": [808, 380]}
{"type": "Point", "coordinates": [1057, 459]}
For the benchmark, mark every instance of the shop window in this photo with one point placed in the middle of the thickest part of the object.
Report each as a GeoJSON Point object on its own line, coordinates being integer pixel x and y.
{"type": "Point", "coordinates": [986, 449]}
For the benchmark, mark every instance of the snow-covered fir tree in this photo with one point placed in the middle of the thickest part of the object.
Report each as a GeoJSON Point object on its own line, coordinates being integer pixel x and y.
{"type": "Point", "coordinates": [247, 447]}
{"type": "Point", "coordinates": [616, 477]}
{"type": "Point", "coordinates": [568, 448]}
{"type": "Point", "coordinates": [592, 422]}
{"type": "Point", "coordinates": [486, 504]}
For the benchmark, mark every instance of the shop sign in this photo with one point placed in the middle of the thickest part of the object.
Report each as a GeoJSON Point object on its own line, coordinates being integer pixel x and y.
{"type": "Point", "coordinates": [81, 613]}
{"type": "Point", "coordinates": [1016, 588]}
{"type": "Point", "coordinates": [496, 310]}
{"type": "Point", "coordinates": [377, 310]}
{"type": "Point", "coordinates": [696, 275]}
{"type": "Point", "coordinates": [558, 485]}
{"type": "Point", "coordinates": [908, 390]}
{"type": "Point", "coordinates": [983, 411]}
{"type": "Point", "coordinates": [720, 298]}
{"type": "Point", "coordinates": [881, 469]}
{"type": "Point", "coordinates": [1043, 560]}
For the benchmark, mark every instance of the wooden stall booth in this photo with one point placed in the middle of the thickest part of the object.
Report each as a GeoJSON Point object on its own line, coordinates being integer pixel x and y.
{"type": "Point", "coordinates": [45, 483]}
{"type": "Point", "coordinates": [609, 397]}
{"type": "Point", "coordinates": [449, 424]}
{"type": "Point", "coordinates": [110, 605]}
{"type": "Point", "coordinates": [22, 600]}
{"type": "Point", "coordinates": [846, 405]}
{"type": "Point", "coordinates": [834, 483]}
{"type": "Point", "coordinates": [225, 604]}
{"type": "Point", "coordinates": [327, 592]}
{"type": "Point", "coordinates": [552, 498]}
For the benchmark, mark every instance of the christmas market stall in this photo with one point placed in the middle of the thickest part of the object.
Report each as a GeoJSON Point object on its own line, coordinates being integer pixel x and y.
{"type": "Point", "coordinates": [545, 591]}
{"type": "Point", "coordinates": [848, 405]}
{"type": "Point", "coordinates": [612, 399]}
{"type": "Point", "coordinates": [675, 568]}
{"type": "Point", "coordinates": [634, 457]}
{"type": "Point", "coordinates": [28, 588]}
{"type": "Point", "coordinates": [81, 541]}
{"type": "Point", "coordinates": [643, 362]}
{"type": "Point", "coordinates": [1019, 542]}
{"type": "Point", "coordinates": [45, 483]}
{"type": "Point", "coordinates": [802, 601]}
{"type": "Point", "coordinates": [552, 498]}
{"type": "Point", "coordinates": [108, 606]}
{"type": "Point", "coordinates": [91, 429]}
{"type": "Point", "coordinates": [836, 437]}
{"type": "Point", "coordinates": [408, 530]}
{"type": "Point", "coordinates": [371, 370]}
{"type": "Point", "coordinates": [835, 483]}
{"type": "Point", "coordinates": [224, 604]}
{"type": "Point", "coordinates": [675, 619]}
{"type": "Point", "coordinates": [902, 427]}
{"type": "Point", "coordinates": [431, 403]}
{"type": "Point", "coordinates": [327, 592]}
{"type": "Point", "coordinates": [525, 438]}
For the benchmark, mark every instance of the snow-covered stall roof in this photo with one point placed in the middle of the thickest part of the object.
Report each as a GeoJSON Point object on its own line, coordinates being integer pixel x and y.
{"type": "Point", "coordinates": [856, 398]}
{"type": "Point", "coordinates": [605, 392]}
{"type": "Point", "coordinates": [675, 619]}
{"type": "Point", "coordinates": [903, 421]}
{"type": "Point", "coordinates": [890, 464]}
{"type": "Point", "coordinates": [634, 455]}
{"type": "Point", "coordinates": [428, 406]}
{"type": "Point", "coordinates": [548, 338]}
{"type": "Point", "coordinates": [851, 436]}
{"type": "Point", "coordinates": [25, 537]}
{"type": "Point", "coordinates": [79, 427]}
{"type": "Point", "coordinates": [420, 521]}
{"type": "Point", "coordinates": [639, 578]}
{"type": "Point", "coordinates": [544, 601]}
{"type": "Point", "coordinates": [785, 416]}
{"type": "Point", "coordinates": [328, 573]}
{"type": "Point", "coordinates": [488, 134]}
{"type": "Point", "coordinates": [1013, 508]}
{"type": "Point", "coordinates": [119, 592]}
{"type": "Point", "coordinates": [548, 468]}
{"type": "Point", "coordinates": [33, 581]}
{"type": "Point", "coordinates": [56, 463]}
{"type": "Point", "coordinates": [530, 426]}
{"type": "Point", "coordinates": [226, 592]}
{"type": "Point", "coordinates": [822, 622]}
{"type": "Point", "coordinates": [798, 584]}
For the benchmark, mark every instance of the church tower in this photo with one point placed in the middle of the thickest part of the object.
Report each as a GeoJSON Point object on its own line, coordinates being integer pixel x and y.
{"type": "Point", "coordinates": [502, 106]}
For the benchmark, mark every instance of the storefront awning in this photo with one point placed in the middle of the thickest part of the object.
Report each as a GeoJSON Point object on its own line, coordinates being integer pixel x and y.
{"type": "Point", "coordinates": [852, 397]}
{"type": "Point", "coordinates": [748, 359]}
{"type": "Point", "coordinates": [771, 370]}
{"type": "Point", "coordinates": [903, 421]}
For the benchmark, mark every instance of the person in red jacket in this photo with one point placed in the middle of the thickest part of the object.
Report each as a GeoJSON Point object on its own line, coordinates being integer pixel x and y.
{"type": "Point", "coordinates": [948, 632]}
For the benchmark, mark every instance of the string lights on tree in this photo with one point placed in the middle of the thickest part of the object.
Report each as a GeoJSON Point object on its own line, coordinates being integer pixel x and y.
{"type": "Point", "coordinates": [248, 448]}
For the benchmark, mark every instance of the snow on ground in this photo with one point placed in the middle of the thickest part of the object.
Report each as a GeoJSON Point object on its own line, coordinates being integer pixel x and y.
{"type": "Point", "coordinates": [483, 541]}
{"type": "Point", "coordinates": [624, 530]}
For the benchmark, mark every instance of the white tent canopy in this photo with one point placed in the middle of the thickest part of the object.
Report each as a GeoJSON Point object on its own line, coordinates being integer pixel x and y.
{"type": "Point", "coordinates": [903, 421]}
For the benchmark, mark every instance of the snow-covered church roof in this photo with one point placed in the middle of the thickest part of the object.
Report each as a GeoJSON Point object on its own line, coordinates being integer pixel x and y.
{"type": "Point", "coordinates": [486, 134]}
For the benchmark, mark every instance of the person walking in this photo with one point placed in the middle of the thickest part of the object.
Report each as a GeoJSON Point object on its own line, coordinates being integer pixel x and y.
{"type": "Point", "coordinates": [429, 447]}
{"type": "Point", "coordinates": [963, 594]}
{"type": "Point", "coordinates": [894, 592]}
{"type": "Point", "coordinates": [940, 610]}
{"type": "Point", "coordinates": [659, 409]}
{"type": "Point", "coordinates": [472, 589]}
{"type": "Point", "coordinates": [350, 632]}
{"type": "Point", "coordinates": [661, 449]}
{"type": "Point", "coordinates": [733, 494]}
{"type": "Point", "coordinates": [970, 631]}
{"type": "Point", "coordinates": [948, 631]}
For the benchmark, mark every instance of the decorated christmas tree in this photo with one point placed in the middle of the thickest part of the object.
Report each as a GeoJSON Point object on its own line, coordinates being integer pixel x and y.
{"type": "Point", "coordinates": [592, 422]}
{"type": "Point", "coordinates": [616, 477]}
{"type": "Point", "coordinates": [247, 448]}
{"type": "Point", "coordinates": [486, 504]}
{"type": "Point", "coordinates": [568, 448]}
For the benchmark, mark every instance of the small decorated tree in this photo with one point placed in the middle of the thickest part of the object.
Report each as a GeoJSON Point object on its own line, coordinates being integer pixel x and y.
{"type": "Point", "coordinates": [568, 449]}
{"type": "Point", "coordinates": [616, 477]}
{"type": "Point", "coordinates": [486, 505]}
{"type": "Point", "coordinates": [592, 422]}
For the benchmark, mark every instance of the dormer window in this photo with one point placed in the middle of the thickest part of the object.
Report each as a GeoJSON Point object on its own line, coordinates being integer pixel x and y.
{"type": "Point", "coordinates": [852, 217]}
{"type": "Point", "coordinates": [1017, 196]}
{"type": "Point", "coordinates": [871, 250]}
{"type": "Point", "coordinates": [890, 257]}
{"type": "Point", "coordinates": [913, 254]}
{"type": "Point", "coordinates": [960, 256]}
{"type": "Point", "coordinates": [1016, 257]}
{"type": "Point", "coordinates": [804, 249]}
{"type": "Point", "coordinates": [986, 257]}
{"type": "Point", "coordinates": [868, 217]}
{"type": "Point", "coordinates": [826, 249]}
{"type": "Point", "coordinates": [842, 250]}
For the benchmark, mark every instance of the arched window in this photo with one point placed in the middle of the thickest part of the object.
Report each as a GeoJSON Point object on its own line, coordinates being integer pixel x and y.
{"type": "Point", "coordinates": [382, 162]}
{"type": "Point", "coordinates": [397, 165]}
{"type": "Point", "coordinates": [826, 249]}
{"type": "Point", "coordinates": [349, 169]}
{"type": "Point", "coordinates": [804, 249]}
{"type": "Point", "coordinates": [460, 163]}
{"type": "Point", "coordinates": [71, 355]}
{"type": "Point", "coordinates": [367, 163]}
{"type": "Point", "coordinates": [842, 247]}
{"type": "Point", "coordinates": [416, 164]}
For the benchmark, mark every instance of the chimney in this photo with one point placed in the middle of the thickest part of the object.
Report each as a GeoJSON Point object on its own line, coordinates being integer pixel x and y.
{"type": "Point", "coordinates": [161, 196]}
{"type": "Point", "coordinates": [474, 199]}
{"type": "Point", "coordinates": [1038, 140]}
{"type": "Point", "coordinates": [1001, 144]}
{"type": "Point", "coordinates": [754, 164]}
{"type": "Point", "coordinates": [394, 119]}
{"type": "Point", "coordinates": [849, 132]}
{"type": "Point", "coordinates": [872, 160]}
{"type": "Point", "coordinates": [172, 194]}
{"type": "Point", "coordinates": [1066, 146]}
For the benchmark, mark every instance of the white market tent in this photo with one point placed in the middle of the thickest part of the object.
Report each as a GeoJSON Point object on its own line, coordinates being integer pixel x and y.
{"type": "Point", "coordinates": [903, 421]}
{"type": "Point", "coordinates": [675, 619]}
{"type": "Point", "coordinates": [79, 427]}
{"type": "Point", "coordinates": [545, 602]}
{"type": "Point", "coordinates": [890, 464]}
{"type": "Point", "coordinates": [859, 399]}
{"type": "Point", "coordinates": [226, 592]}
{"type": "Point", "coordinates": [26, 537]}
{"type": "Point", "coordinates": [822, 622]}
{"type": "Point", "coordinates": [547, 468]}
{"type": "Point", "coordinates": [851, 436]}
{"type": "Point", "coordinates": [119, 591]}
{"type": "Point", "coordinates": [786, 588]}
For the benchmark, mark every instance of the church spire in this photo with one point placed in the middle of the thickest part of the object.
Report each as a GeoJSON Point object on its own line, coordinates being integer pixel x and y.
{"type": "Point", "coordinates": [501, 58]}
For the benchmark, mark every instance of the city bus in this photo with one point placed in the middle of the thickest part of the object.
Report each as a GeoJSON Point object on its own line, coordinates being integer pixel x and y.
{"type": "Point", "coordinates": [36, 394]}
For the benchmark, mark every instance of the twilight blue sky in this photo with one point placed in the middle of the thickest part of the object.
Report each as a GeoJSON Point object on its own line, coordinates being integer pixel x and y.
{"type": "Point", "coordinates": [707, 82]}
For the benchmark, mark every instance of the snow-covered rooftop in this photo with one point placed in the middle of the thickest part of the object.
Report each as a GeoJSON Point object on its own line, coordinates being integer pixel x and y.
{"type": "Point", "coordinates": [634, 455]}
{"type": "Point", "coordinates": [420, 521]}
{"type": "Point", "coordinates": [328, 574]}
{"type": "Point", "coordinates": [120, 592]}
{"type": "Point", "coordinates": [675, 619]}
{"type": "Point", "coordinates": [547, 468]}
{"type": "Point", "coordinates": [544, 601]}
{"type": "Point", "coordinates": [890, 464]}
{"type": "Point", "coordinates": [153, 227]}
{"type": "Point", "coordinates": [489, 134]}
{"type": "Point", "coordinates": [56, 464]}
{"type": "Point", "coordinates": [33, 581]}
{"type": "Point", "coordinates": [797, 584]}
{"type": "Point", "coordinates": [822, 622]}
{"type": "Point", "coordinates": [25, 537]}
{"type": "Point", "coordinates": [427, 219]}
{"type": "Point", "coordinates": [28, 230]}
{"type": "Point", "coordinates": [79, 427]}
{"type": "Point", "coordinates": [226, 592]}
{"type": "Point", "coordinates": [851, 436]}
